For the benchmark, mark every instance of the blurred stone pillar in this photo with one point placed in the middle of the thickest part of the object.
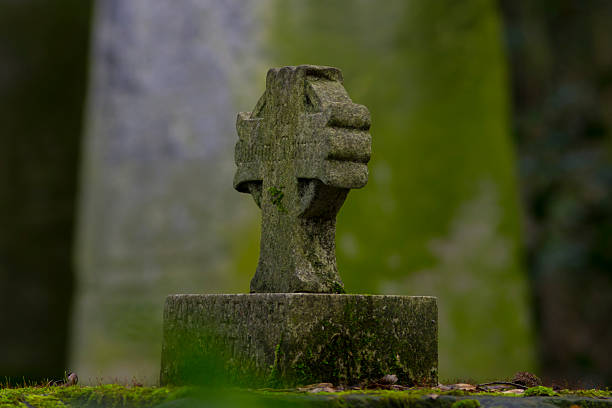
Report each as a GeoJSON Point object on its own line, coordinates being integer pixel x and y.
{"type": "Point", "coordinates": [440, 213]}
{"type": "Point", "coordinates": [158, 210]}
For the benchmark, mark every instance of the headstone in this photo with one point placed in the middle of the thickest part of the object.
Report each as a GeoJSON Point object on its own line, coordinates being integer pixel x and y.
{"type": "Point", "coordinates": [299, 152]}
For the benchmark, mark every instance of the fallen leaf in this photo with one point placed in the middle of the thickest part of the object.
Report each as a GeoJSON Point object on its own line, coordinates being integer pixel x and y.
{"type": "Point", "coordinates": [317, 385]}
{"type": "Point", "coordinates": [462, 386]}
{"type": "Point", "coordinates": [321, 389]}
{"type": "Point", "coordinates": [513, 391]}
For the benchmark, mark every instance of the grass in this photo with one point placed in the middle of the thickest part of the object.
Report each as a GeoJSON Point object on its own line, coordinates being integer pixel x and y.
{"type": "Point", "coordinates": [110, 395]}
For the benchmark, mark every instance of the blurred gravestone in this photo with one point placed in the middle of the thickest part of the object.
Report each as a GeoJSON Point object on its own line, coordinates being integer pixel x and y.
{"type": "Point", "coordinates": [443, 195]}
{"type": "Point", "coordinates": [158, 149]}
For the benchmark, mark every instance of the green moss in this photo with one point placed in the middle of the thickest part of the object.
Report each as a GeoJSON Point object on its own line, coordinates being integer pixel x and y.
{"type": "Point", "coordinates": [116, 396]}
{"type": "Point", "coordinates": [466, 403]}
{"type": "Point", "coordinates": [337, 288]}
{"type": "Point", "coordinates": [276, 198]}
{"type": "Point", "coordinates": [539, 391]}
{"type": "Point", "coordinates": [587, 393]}
{"type": "Point", "coordinates": [109, 396]}
{"type": "Point", "coordinates": [351, 355]}
{"type": "Point", "coordinates": [43, 401]}
{"type": "Point", "coordinates": [340, 339]}
{"type": "Point", "coordinates": [275, 377]}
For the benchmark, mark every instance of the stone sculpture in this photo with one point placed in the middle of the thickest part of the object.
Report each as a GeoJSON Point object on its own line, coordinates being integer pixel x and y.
{"type": "Point", "coordinates": [300, 151]}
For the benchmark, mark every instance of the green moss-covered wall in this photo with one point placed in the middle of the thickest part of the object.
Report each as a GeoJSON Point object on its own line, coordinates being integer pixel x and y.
{"type": "Point", "coordinates": [440, 214]}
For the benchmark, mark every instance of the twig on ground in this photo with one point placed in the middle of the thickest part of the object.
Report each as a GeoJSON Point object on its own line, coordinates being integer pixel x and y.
{"type": "Point", "coordinates": [515, 385]}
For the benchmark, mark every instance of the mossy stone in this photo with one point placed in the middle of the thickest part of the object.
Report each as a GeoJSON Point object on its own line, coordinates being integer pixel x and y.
{"type": "Point", "coordinates": [299, 152]}
{"type": "Point", "coordinates": [281, 339]}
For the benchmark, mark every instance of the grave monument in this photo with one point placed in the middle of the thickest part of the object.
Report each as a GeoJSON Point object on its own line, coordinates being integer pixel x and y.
{"type": "Point", "coordinates": [300, 151]}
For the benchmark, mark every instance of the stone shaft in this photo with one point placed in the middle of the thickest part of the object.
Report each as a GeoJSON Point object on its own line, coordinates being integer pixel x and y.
{"type": "Point", "coordinates": [277, 339]}
{"type": "Point", "coordinates": [299, 152]}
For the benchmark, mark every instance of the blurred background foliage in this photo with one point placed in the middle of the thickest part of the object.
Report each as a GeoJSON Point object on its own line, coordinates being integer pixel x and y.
{"type": "Point", "coordinates": [490, 179]}
{"type": "Point", "coordinates": [439, 215]}
{"type": "Point", "coordinates": [43, 64]}
{"type": "Point", "coordinates": [560, 54]}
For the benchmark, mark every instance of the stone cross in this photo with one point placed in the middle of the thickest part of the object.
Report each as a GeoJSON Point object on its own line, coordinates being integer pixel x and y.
{"type": "Point", "coordinates": [299, 152]}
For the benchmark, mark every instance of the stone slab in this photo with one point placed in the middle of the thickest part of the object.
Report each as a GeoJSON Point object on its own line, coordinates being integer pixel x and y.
{"type": "Point", "coordinates": [281, 339]}
{"type": "Point", "coordinates": [380, 400]}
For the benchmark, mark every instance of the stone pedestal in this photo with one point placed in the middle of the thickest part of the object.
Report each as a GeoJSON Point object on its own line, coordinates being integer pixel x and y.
{"type": "Point", "coordinates": [281, 339]}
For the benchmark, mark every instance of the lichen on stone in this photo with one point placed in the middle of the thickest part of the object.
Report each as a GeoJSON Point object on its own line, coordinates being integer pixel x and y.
{"type": "Point", "coordinates": [280, 340]}
{"type": "Point", "coordinates": [300, 150]}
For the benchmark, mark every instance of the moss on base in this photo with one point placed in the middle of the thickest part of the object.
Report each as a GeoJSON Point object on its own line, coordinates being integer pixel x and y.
{"type": "Point", "coordinates": [280, 339]}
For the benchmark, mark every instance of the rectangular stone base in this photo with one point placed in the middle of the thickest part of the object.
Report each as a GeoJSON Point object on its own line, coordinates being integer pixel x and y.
{"type": "Point", "coordinates": [281, 339]}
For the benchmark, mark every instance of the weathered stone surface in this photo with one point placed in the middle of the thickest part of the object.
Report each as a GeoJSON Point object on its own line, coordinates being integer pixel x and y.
{"type": "Point", "coordinates": [384, 399]}
{"type": "Point", "coordinates": [289, 338]}
{"type": "Point", "coordinates": [403, 399]}
{"type": "Point", "coordinates": [299, 152]}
